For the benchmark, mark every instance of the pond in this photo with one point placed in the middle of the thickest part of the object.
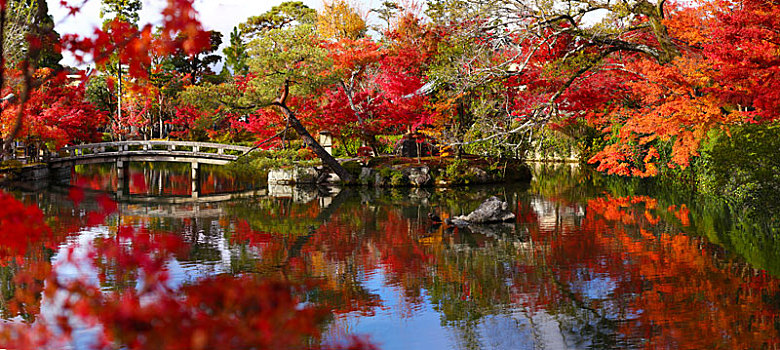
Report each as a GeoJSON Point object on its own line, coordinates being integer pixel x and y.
{"type": "Point", "coordinates": [590, 262]}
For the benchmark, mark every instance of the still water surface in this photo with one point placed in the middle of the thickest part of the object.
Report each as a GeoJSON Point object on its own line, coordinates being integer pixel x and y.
{"type": "Point", "coordinates": [589, 263]}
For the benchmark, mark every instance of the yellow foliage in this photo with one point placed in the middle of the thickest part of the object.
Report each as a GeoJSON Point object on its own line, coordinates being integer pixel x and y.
{"type": "Point", "coordinates": [340, 20]}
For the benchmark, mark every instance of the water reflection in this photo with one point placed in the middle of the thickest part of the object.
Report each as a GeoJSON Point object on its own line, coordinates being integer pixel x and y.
{"type": "Point", "coordinates": [159, 179]}
{"type": "Point", "coordinates": [590, 262]}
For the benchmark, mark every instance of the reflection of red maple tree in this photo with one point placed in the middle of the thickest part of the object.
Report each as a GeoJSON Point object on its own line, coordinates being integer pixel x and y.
{"type": "Point", "coordinates": [238, 312]}
{"type": "Point", "coordinates": [21, 226]}
{"type": "Point", "coordinates": [670, 286]}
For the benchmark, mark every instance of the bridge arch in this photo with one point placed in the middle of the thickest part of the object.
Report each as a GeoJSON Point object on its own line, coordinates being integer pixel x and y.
{"type": "Point", "coordinates": [148, 151]}
{"type": "Point", "coordinates": [123, 152]}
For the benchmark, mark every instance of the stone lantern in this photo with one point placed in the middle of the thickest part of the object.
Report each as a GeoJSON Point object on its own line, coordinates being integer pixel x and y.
{"type": "Point", "coordinates": [326, 141]}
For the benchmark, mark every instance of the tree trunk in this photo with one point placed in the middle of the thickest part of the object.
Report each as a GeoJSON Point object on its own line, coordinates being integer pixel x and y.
{"type": "Point", "coordinates": [119, 97]}
{"type": "Point", "coordinates": [326, 158]}
{"type": "Point", "coordinates": [160, 114]}
{"type": "Point", "coordinates": [655, 16]}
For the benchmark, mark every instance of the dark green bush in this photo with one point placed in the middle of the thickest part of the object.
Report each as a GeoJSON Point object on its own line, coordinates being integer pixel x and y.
{"type": "Point", "coordinates": [743, 167]}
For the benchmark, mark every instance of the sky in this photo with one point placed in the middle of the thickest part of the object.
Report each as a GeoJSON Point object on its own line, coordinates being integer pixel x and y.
{"type": "Point", "coordinates": [220, 15]}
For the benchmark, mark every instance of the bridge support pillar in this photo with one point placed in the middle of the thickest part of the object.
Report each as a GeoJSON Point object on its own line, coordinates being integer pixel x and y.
{"type": "Point", "coordinates": [195, 172]}
{"type": "Point", "coordinates": [123, 179]}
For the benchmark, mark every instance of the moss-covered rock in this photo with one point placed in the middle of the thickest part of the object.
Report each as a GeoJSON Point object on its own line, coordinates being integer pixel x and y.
{"type": "Point", "coordinates": [353, 167]}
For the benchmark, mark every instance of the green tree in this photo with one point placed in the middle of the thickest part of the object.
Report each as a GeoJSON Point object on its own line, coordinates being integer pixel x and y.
{"type": "Point", "coordinates": [99, 94]}
{"type": "Point", "coordinates": [388, 11]}
{"type": "Point", "coordinates": [30, 17]}
{"type": "Point", "coordinates": [290, 62]}
{"type": "Point", "coordinates": [293, 55]}
{"type": "Point", "coordinates": [123, 10]}
{"type": "Point", "coordinates": [743, 166]}
{"type": "Point", "coordinates": [236, 55]}
{"type": "Point", "coordinates": [287, 61]}
{"type": "Point", "coordinates": [198, 66]}
{"type": "Point", "coordinates": [286, 15]}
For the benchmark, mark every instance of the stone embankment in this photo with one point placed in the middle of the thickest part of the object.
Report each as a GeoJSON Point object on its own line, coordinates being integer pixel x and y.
{"type": "Point", "coordinates": [406, 175]}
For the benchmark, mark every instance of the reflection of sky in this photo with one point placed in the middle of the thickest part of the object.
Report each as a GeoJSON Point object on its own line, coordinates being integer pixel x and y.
{"type": "Point", "coordinates": [72, 262]}
{"type": "Point", "coordinates": [389, 327]}
{"type": "Point", "coordinates": [601, 287]}
{"type": "Point", "coordinates": [594, 286]}
{"type": "Point", "coordinates": [397, 324]}
{"type": "Point", "coordinates": [392, 327]}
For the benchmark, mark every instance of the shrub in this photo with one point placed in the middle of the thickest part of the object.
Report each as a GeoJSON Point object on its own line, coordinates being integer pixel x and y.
{"type": "Point", "coordinates": [743, 167]}
{"type": "Point", "coordinates": [353, 167]}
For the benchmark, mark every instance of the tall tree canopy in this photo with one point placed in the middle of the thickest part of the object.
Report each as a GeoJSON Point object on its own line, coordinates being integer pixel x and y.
{"type": "Point", "coordinates": [340, 20]}
{"type": "Point", "coordinates": [236, 55]}
{"type": "Point", "coordinates": [25, 18]}
{"type": "Point", "coordinates": [285, 15]}
{"type": "Point", "coordinates": [198, 65]}
{"type": "Point", "coordinates": [121, 10]}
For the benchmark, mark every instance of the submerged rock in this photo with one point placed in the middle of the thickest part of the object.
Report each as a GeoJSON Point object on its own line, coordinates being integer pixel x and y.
{"type": "Point", "coordinates": [493, 210]}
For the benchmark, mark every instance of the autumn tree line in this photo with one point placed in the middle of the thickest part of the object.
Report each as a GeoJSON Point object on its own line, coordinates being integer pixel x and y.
{"type": "Point", "coordinates": [640, 88]}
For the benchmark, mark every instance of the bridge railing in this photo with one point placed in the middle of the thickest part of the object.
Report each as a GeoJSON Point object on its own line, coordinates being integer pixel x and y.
{"type": "Point", "coordinates": [198, 149]}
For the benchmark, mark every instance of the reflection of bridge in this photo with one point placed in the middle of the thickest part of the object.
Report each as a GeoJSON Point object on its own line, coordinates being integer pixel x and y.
{"type": "Point", "coordinates": [207, 198]}
{"type": "Point", "coordinates": [173, 212]}
{"type": "Point", "coordinates": [124, 152]}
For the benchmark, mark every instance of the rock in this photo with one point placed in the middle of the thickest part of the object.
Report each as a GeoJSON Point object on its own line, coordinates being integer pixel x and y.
{"type": "Point", "coordinates": [304, 194]}
{"type": "Point", "coordinates": [456, 222]}
{"type": "Point", "coordinates": [280, 191]}
{"type": "Point", "coordinates": [366, 176]}
{"type": "Point", "coordinates": [479, 176]}
{"type": "Point", "coordinates": [301, 175]}
{"type": "Point", "coordinates": [299, 194]}
{"type": "Point", "coordinates": [419, 194]}
{"type": "Point", "coordinates": [327, 177]}
{"type": "Point", "coordinates": [418, 176]}
{"type": "Point", "coordinates": [305, 175]}
{"type": "Point", "coordinates": [380, 180]}
{"type": "Point", "coordinates": [280, 177]}
{"type": "Point", "coordinates": [493, 210]}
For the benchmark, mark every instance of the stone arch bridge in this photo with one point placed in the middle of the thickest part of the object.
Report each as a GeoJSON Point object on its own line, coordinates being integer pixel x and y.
{"type": "Point", "coordinates": [123, 152]}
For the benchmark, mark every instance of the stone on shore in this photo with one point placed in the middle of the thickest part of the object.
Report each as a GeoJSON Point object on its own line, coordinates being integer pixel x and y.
{"type": "Point", "coordinates": [297, 175]}
{"type": "Point", "coordinates": [418, 176]}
